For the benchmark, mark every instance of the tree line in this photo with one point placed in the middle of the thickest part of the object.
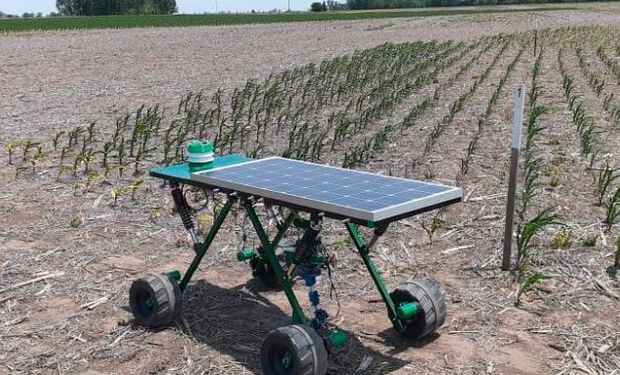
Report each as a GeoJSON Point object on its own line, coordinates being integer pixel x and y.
{"type": "Point", "coordinates": [115, 7]}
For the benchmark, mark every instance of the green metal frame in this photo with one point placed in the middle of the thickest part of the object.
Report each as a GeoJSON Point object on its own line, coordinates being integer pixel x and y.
{"type": "Point", "coordinates": [270, 255]}
{"type": "Point", "coordinates": [268, 252]}
{"type": "Point", "coordinates": [397, 314]}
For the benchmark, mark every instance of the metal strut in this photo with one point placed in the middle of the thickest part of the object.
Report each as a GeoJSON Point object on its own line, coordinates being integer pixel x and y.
{"type": "Point", "coordinates": [270, 255]}
{"type": "Point", "coordinates": [364, 251]}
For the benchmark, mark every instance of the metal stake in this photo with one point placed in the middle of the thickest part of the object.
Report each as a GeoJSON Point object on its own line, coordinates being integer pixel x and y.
{"type": "Point", "coordinates": [512, 183]}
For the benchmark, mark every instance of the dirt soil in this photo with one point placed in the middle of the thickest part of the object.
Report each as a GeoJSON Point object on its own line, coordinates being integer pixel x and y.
{"type": "Point", "coordinates": [67, 260]}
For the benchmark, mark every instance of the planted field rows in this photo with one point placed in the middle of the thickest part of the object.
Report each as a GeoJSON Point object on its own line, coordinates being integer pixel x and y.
{"type": "Point", "coordinates": [436, 111]}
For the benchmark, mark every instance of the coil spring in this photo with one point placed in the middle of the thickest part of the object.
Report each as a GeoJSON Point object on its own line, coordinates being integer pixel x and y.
{"type": "Point", "coordinates": [307, 245]}
{"type": "Point", "coordinates": [182, 208]}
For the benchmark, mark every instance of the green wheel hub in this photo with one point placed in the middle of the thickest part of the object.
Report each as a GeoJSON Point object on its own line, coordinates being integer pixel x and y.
{"type": "Point", "coordinates": [287, 359]}
{"type": "Point", "coordinates": [294, 350]}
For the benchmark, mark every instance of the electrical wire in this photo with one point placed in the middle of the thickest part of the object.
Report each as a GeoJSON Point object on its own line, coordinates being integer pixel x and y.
{"type": "Point", "coordinates": [332, 286]}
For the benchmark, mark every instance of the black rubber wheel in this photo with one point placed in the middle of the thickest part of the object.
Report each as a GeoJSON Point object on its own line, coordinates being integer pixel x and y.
{"type": "Point", "coordinates": [293, 350]}
{"type": "Point", "coordinates": [425, 292]}
{"type": "Point", "coordinates": [155, 300]}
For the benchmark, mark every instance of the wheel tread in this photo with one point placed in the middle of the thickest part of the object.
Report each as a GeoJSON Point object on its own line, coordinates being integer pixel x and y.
{"type": "Point", "coordinates": [426, 293]}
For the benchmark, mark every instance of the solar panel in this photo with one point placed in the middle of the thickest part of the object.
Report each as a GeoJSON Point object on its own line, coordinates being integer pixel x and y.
{"type": "Point", "coordinates": [343, 192]}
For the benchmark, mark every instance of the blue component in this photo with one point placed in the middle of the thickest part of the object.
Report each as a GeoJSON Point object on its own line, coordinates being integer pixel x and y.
{"type": "Point", "coordinates": [309, 272]}
{"type": "Point", "coordinates": [314, 297]}
{"type": "Point", "coordinates": [310, 280]}
{"type": "Point", "coordinates": [320, 318]}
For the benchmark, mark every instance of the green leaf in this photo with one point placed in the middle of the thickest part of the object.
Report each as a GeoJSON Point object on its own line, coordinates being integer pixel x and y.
{"type": "Point", "coordinates": [532, 280]}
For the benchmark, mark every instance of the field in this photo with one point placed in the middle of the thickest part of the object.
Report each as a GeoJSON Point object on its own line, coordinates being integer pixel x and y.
{"type": "Point", "coordinates": [85, 114]}
{"type": "Point", "coordinates": [122, 22]}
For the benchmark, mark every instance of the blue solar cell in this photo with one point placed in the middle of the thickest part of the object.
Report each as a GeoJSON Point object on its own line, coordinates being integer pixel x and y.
{"type": "Point", "coordinates": [360, 195]}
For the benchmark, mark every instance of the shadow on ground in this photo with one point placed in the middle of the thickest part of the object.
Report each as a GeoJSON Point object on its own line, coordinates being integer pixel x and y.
{"type": "Point", "coordinates": [234, 322]}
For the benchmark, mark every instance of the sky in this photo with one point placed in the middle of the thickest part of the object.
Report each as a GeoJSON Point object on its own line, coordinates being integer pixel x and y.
{"type": "Point", "coordinates": [185, 6]}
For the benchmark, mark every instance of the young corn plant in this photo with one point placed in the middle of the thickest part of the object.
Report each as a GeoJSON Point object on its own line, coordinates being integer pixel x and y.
{"type": "Point", "coordinates": [27, 145]}
{"type": "Point", "coordinates": [56, 139]}
{"type": "Point", "coordinates": [612, 212]}
{"type": "Point", "coordinates": [135, 186]}
{"type": "Point", "coordinates": [617, 255]}
{"type": "Point", "coordinates": [527, 232]}
{"type": "Point", "coordinates": [530, 186]}
{"type": "Point", "coordinates": [605, 178]}
{"type": "Point", "coordinates": [10, 150]}
{"type": "Point", "coordinates": [588, 135]}
{"type": "Point", "coordinates": [117, 193]}
{"type": "Point", "coordinates": [37, 158]}
{"type": "Point", "coordinates": [533, 127]}
{"type": "Point", "coordinates": [529, 283]}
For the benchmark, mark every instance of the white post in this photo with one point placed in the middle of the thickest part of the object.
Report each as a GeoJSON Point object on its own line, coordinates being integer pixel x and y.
{"type": "Point", "coordinates": [514, 168]}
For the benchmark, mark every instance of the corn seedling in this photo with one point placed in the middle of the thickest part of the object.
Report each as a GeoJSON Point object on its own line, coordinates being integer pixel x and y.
{"type": "Point", "coordinates": [56, 139]}
{"type": "Point", "coordinates": [617, 255]}
{"type": "Point", "coordinates": [533, 127]}
{"type": "Point", "coordinates": [612, 212]}
{"type": "Point", "coordinates": [85, 184]}
{"type": "Point", "coordinates": [527, 231]}
{"type": "Point", "coordinates": [117, 193]}
{"type": "Point", "coordinates": [91, 131]}
{"type": "Point", "coordinates": [529, 283]}
{"type": "Point", "coordinates": [10, 150]}
{"type": "Point", "coordinates": [605, 178]}
{"type": "Point", "coordinates": [587, 139]}
{"type": "Point", "coordinates": [26, 147]}
{"type": "Point", "coordinates": [531, 185]}
{"type": "Point", "coordinates": [37, 158]}
{"type": "Point", "coordinates": [135, 186]}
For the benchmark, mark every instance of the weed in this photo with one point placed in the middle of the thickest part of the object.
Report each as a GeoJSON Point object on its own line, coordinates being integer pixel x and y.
{"type": "Point", "coordinates": [431, 226]}
{"type": "Point", "coordinates": [204, 221]}
{"type": "Point", "coordinates": [563, 239]}
{"type": "Point", "coordinates": [78, 220]}
{"type": "Point", "coordinates": [590, 240]}
{"type": "Point", "coordinates": [554, 181]}
{"type": "Point", "coordinates": [429, 174]}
